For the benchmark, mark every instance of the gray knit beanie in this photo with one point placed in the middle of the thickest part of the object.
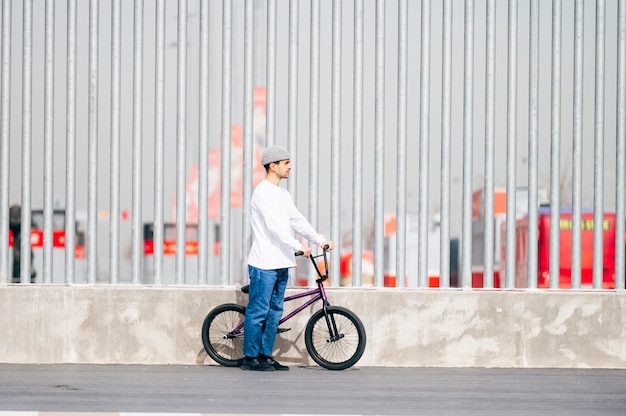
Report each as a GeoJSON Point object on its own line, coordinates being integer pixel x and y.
{"type": "Point", "coordinates": [274, 154]}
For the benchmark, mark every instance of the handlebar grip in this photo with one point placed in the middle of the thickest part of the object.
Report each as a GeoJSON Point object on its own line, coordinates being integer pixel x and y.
{"type": "Point", "coordinates": [298, 253]}
{"type": "Point", "coordinates": [326, 247]}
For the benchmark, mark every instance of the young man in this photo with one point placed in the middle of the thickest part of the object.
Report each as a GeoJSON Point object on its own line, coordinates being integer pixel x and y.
{"type": "Point", "coordinates": [273, 217]}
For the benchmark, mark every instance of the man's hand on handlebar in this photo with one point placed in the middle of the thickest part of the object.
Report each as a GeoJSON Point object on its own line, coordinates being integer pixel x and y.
{"type": "Point", "coordinates": [329, 245]}
{"type": "Point", "coordinates": [304, 251]}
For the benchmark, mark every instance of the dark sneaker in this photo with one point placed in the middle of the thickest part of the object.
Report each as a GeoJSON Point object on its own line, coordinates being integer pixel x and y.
{"type": "Point", "coordinates": [254, 364]}
{"type": "Point", "coordinates": [273, 363]}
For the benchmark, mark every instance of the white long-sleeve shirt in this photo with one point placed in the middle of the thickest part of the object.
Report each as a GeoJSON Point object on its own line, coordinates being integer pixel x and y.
{"type": "Point", "coordinates": [273, 216]}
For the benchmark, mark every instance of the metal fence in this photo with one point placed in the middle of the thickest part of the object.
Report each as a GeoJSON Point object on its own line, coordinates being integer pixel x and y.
{"type": "Point", "coordinates": [410, 118]}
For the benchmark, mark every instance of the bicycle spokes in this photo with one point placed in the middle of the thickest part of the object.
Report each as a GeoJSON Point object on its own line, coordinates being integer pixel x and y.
{"type": "Point", "coordinates": [335, 338]}
{"type": "Point", "coordinates": [222, 334]}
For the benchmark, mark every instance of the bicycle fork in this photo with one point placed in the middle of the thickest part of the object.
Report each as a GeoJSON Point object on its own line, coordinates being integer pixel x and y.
{"type": "Point", "coordinates": [333, 332]}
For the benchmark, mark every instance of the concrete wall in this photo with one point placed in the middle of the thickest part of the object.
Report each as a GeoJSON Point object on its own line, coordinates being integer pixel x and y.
{"type": "Point", "coordinates": [150, 325]}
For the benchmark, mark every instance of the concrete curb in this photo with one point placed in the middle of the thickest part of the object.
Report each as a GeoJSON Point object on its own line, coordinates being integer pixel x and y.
{"type": "Point", "coordinates": [102, 324]}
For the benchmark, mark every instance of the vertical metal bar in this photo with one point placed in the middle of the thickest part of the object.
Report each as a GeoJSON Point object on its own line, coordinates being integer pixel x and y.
{"type": "Point", "coordinates": [116, 77]}
{"type": "Point", "coordinates": [260, 51]}
{"type": "Point", "coordinates": [136, 227]}
{"type": "Point", "coordinates": [27, 108]}
{"type": "Point", "coordinates": [446, 135]}
{"type": "Point", "coordinates": [379, 145]}
{"type": "Point", "coordinates": [292, 114]}
{"type": "Point", "coordinates": [468, 143]}
{"type": "Point", "coordinates": [598, 166]}
{"type": "Point", "coordinates": [203, 153]}
{"type": "Point", "coordinates": [270, 119]}
{"type": "Point", "coordinates": [70, 146]}
{"type": "Point", "coordinates": [579, 25]}
{"type": "Point", "coordinates": [424, 149]}
{"type": "Point", "coordinates": [335, 140]}
{"type": "Point", "coordinates": [226, 141]}
{"type": "Point", "coordinates": [5, 136]}
{"type": "Point", "coordinates": [181, 145]}
{"type": "Point", "coordinates": [401, 145]}
{"type": "Point", "coordinates": [248, 133]}
{"type": "Point", "coordinates": [533, 137]}
{"type": "Point", "coordinates": [48, 142]}
{"type": "Point", "coordinates": [490, 116]}
{"type": "Point", "coordinates": [357, 175]}
{"type": "Point", "coordinates": [511, 159]}
{"type": "Point", "coordinates": [314, 120]}
{"type": "Point", "coordinates": [620, 182]}
{"type": "Point", "coordinates": [555, 155]}
{"type": "Point", "coordinates": [92, 205]}
{"type": "Point", "coordinates": [159, 139]}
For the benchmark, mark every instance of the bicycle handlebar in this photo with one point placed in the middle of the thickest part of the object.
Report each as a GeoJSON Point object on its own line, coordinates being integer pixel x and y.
{"type": "Point", "coordinates": [322, 276]}
{"type": "Point", "coordinates": [300, 253]}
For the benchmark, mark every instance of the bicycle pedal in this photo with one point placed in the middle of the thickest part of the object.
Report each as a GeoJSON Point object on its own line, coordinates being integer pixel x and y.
{"type": "Point", "coordinates": [281, 330]}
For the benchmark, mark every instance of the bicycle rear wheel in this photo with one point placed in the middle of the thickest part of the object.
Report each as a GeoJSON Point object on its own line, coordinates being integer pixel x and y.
{"type": "Point", "coordinates": [335, 340]}
{"type": "Point", "coordinates": [221, 341]}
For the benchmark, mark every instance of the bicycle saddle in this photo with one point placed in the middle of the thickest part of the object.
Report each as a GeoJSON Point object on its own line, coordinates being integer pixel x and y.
{"type": "Point", "coordinates": [245, 289]}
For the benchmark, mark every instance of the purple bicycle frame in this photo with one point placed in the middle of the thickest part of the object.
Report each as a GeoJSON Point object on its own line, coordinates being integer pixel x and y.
{"type": "Point", "coordinates": [319, 293]}
{"type": "Point", "coordinates": [316, 294]}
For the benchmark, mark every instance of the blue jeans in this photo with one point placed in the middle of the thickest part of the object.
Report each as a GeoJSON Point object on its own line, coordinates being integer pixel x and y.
{"type": "Point", "coordinates": [265, 308]}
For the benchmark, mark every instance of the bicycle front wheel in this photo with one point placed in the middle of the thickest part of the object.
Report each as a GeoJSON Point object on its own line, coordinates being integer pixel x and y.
{"type": "Point", "coordinates": [222, 334]}
{"type": "Point", "coordinates": [335, 339]}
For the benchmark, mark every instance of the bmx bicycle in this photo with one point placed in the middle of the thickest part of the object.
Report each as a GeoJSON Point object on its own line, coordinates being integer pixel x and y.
{"type": "Point", "coordinates": [334, 336]}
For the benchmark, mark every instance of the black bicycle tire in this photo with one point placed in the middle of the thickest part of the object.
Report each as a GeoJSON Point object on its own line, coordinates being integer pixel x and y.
{"type": "Point", "coordinates": [217, 324]}
{"type": "Point", "coordinates": [320, 350]}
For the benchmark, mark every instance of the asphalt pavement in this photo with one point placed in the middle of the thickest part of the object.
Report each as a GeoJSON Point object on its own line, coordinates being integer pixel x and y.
{"type": "Point", "coordinates": [212, 389]}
